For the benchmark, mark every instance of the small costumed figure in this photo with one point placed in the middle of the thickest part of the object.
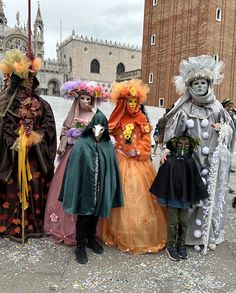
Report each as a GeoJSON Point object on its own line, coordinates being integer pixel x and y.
{"type": "Point", "coordinates": [28, 149]}
{"type": "Point", "coordinates": [178, 185]}
{"type": "Point", "coordinates": [202, 114]}
{"type": "Point", "coordinates": [85, 95]}
{"type": "Point", "coordinates": [139, 226]}
{"type": "Point", "coordinates": [91, 185]}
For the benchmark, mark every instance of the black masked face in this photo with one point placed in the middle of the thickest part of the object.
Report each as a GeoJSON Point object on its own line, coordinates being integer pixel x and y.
{"type": "Point", "coordinates": [183, 145]}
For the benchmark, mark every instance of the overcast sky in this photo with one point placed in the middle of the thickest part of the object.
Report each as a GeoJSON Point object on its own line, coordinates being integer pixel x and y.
{"type": "Point", "coordinates": [120, 20]}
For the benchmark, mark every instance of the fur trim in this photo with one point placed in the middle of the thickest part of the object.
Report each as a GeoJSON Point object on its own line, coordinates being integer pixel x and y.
{"type": "Point", "coordinates": [194, 68]}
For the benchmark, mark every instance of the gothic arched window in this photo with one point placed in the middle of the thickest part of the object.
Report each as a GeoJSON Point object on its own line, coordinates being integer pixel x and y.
{"type": "Point", "coordinates": [120, 68]}
{"type": "Point", "coordinates": [95, 66]}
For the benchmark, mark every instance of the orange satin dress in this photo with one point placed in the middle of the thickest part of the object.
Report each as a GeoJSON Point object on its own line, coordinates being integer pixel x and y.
{"type": "Point", "coordinates": [140, 225]}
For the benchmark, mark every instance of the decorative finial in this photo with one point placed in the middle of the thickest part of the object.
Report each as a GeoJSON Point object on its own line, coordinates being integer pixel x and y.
{"type": "Point", "coordinates": [18, 18]}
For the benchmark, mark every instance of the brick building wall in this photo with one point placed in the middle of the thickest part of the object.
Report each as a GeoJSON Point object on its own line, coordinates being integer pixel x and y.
{"type": "Point", "coordinates": [183, 29]}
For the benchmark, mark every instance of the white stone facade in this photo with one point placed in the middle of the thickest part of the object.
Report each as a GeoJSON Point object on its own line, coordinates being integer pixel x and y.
{"type": "Point", "coordinates": [74, 56]}
{"type": "Point", "coordinates": [77, 52]}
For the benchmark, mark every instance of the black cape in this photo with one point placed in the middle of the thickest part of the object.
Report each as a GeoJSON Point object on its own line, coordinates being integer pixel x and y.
{"type": "Point", "coordinates": [179, 179]}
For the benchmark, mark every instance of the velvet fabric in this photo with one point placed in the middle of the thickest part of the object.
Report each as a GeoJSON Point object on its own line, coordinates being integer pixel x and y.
{"type": "Point", "coordinates": [179, 179]}
{"type": "Point", "coordinates": [41, 161]}
{"type": "Point", "coordinates": [89, 188]}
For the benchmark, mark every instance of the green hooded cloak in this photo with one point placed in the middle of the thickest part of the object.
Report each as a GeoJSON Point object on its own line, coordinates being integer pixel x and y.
{"type": "Point", "coordinates": [92, 184]}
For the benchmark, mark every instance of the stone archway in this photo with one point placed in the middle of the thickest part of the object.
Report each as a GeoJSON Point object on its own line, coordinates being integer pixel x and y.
{"type": "Point", "coordinates": [53, 88]}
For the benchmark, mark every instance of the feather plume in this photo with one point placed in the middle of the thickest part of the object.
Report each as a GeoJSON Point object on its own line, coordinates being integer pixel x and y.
{"type": "Point", "coordinates": [132, 88]}
{"type": "Point", "coordinates": [36, 64]}
{"type": "Point", "coordinates": [18, 63]}
{"type": "Point", "coordinates": [203, 66]}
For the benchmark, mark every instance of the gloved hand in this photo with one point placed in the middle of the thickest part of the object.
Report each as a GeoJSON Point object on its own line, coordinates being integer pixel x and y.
{"type": "Point", "coordinates": [132, 153]}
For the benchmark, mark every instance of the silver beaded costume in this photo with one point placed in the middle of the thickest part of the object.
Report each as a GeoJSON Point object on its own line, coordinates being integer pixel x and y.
{"type": "Point", "coordinates": [213, 157]}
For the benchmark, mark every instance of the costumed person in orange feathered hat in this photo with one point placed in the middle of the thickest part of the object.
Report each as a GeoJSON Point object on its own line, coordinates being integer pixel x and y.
{"type": "Point", "coordinates": [28, 148]}
{"type": "Point", "coordinates": [139, 226]}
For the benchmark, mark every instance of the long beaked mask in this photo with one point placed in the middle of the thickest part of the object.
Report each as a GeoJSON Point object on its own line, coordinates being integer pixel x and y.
{"type": "Point", "coordinates": [98, 130]}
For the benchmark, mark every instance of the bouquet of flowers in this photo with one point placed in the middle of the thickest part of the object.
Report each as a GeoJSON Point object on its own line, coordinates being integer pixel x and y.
{"type": "Point", "coordinates": [128, 133]}
{"type": "Point", "coordinates": [29, 109]}
{"type": "Point", "coordinates": [76, 130]}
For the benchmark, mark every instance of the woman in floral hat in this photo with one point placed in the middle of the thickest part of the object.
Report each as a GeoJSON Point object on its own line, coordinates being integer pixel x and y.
{"type": "Point", "coordinates": [57, 223]}
{"type": "Point", "coordinates": [28, 149]}
{"type": "Point", "coordinates": [139, 226]}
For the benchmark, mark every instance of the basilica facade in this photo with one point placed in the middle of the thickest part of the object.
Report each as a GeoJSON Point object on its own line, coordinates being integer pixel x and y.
{"type": "Point", "coordinates": [77, 56]}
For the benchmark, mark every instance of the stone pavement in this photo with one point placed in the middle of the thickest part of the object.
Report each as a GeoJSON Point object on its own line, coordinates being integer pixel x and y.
{"type": "Point", "coordinates": [42, 266]}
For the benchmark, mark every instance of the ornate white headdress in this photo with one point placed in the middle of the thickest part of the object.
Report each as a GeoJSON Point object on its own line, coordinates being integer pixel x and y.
{"type": "Point", "coordinates": [203, 66]}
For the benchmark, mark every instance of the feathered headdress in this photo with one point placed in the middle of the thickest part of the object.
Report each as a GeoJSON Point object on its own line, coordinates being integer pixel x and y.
{"type": "Point", "coordinates": [19, 63]}
{"type": "Point", "coordinates": [203, 66]}
{"type": "Point", "coordinates": [127, 89]}
{"type": "Point", "coordinates": [74, 88]}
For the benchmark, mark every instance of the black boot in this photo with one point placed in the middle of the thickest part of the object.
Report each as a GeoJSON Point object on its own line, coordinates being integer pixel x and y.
{"type": "Point", "coordinates": [92, 242]}
{"type": "Point", "coordinates": [81, 236]}
{"type": "Point", "coordinates": [234, 202]}
{"type": "Point", "coordinates": [80, 253]}
{"type": "Point", "coordinates": [95, 246]}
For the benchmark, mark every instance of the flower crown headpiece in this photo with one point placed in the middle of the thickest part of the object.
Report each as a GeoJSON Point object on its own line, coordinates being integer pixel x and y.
{"type": "Point", "coordinates": [127, 89]}
{"type": "Point", "coordinates": [194, 68]}
{"type": "Point", "coordinates": [19, 63]}
{"type": "Point", "coordinates": [75, 88]}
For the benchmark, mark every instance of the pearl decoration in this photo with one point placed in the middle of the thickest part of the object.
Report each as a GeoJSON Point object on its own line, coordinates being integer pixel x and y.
{"type": "Point", "coordinates": [205, 135]}
{"type": "Point", "coordinates": [190, 123]}
{"type": "Point", "coordinates": [204, 172]}
{"type": "Point", "coordinates": [198, 222]}
{"type": "Point", "coordinates": [197, 233]}
{"type": "Point", "coordinates": [205, 150]}
{"type": "Point", "coordinates": [204, 123]}
{"type": "Point", "coordinates": [197, 247]}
